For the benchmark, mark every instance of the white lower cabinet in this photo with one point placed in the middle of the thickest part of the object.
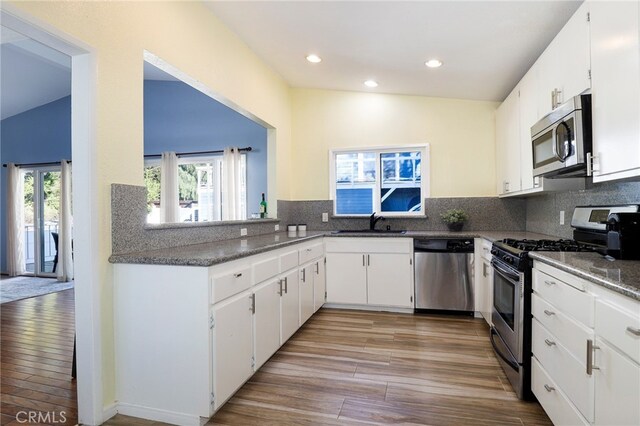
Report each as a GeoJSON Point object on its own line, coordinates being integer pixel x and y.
{"type": "Point", "coordinates": [370, 271]}
{"type": "Point", "coordinates": [186, 338]}
{"type": "Point", "coordinates": [586, 350]}
{"type": "Point", "coordinates": [289, 306]}
{"type": "Point", "coordinates": [233, 345]}
{"type": "Point", "coordinates": [483, 282]}
{"type": "Point", "coordinates": [266, 321]}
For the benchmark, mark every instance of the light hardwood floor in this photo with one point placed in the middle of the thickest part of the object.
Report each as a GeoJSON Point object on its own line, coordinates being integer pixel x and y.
{"type": "Point", "coordinates": [37, 349]}
{"type": "Point", "coordinates": [348, 367]}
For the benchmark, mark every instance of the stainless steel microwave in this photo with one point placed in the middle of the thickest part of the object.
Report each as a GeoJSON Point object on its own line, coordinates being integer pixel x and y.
{"type": "Point", "coordinates": [561, 141]}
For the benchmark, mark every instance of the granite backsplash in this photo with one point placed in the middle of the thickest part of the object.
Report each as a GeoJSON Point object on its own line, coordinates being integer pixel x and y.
{"type": "Point", "coordinates": [543, 212]}
{"type": "Point", "coordinates": [485, 214]}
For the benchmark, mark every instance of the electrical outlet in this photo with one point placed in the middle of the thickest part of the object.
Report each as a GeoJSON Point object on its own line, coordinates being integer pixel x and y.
{"type": "Point", "coordinates": [243, 232]}
{"type": "Point", "coordinates": [325, 217]}
{"type": "Point", "coordinates": [277, 228]}
{"type": "Point", "coordinates": [561, 217]}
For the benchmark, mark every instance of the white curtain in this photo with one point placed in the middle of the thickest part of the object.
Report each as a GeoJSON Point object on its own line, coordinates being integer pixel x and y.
{"type": "Point", "coordinates": [232, 185]}
{"type": "Point", "coordinates": [169, 197]}
{"type": "Point", "coordinates": [64, 270]}
{"type": "Point", "coordinates": [15, 221]}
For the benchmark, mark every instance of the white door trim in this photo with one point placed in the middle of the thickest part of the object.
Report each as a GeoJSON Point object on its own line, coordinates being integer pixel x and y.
{"type": "Point", "coordinates": [86, 226]}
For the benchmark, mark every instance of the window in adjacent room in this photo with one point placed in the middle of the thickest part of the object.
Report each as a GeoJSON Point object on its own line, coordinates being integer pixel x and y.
{"type": "Point", "coordinates": [392, 181]}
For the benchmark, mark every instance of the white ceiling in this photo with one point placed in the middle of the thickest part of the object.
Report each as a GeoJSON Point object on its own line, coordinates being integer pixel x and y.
{"type": "Point", "coordinates": [486, 46]}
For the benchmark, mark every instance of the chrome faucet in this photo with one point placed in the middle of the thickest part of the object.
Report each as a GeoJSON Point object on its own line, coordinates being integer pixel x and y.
{"type": "Point", "coordinates": [373, 220]}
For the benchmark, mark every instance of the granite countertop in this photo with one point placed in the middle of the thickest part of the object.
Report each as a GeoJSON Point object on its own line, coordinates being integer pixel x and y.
{"type": "Point", "coordinates": [621, 276]}
{"type": "Point", "coordinates": [208, 254]}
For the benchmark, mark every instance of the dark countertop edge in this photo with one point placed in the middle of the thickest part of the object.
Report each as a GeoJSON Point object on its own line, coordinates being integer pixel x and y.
{"type": "Point", "coordinates": [616, 287]}
{"type": "Point", "coordinates": [147, 258]}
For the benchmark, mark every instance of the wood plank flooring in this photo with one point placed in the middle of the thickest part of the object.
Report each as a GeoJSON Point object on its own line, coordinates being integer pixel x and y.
{"type": "Point", "coordinates": [354, 367]}
{"type": "Point", "coordinates": [36, 337]}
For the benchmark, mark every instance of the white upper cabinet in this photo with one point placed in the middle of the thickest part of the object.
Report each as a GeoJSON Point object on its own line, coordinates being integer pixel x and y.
{"type": "Point", "coordinates": [528, 110]}
{"type": "Point", "coordinates": [615, 70]}
{"type": "Point", "coordinates": [563, 68]}
{"type": "Point", "coordinates": [507, 144]}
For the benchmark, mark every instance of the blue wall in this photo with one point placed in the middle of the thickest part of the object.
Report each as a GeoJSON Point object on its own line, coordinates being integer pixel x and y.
{"type": "Point", "coordinates": [179, 118]}
{"type": "Point", "coordinates": [39, 135]}
{"type": "Point", "coordinates": [176, 118]}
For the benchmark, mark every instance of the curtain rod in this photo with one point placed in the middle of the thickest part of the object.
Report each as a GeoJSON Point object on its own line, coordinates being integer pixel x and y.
{"type": "Point", "coordinates": [51, 163]}
{"type": "Point", "coordinates": [181, 154]}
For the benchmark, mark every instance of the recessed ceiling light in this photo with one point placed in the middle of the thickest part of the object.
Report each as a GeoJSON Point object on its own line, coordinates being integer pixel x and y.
{"type": "Point", "coordinates": [371, 83]}
{"type": "Point", "coordinates": [314, 59]}
{"type": "Point", "coordinates": [433, 63]}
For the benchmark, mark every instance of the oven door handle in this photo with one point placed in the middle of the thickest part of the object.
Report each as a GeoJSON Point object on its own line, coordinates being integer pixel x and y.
{"type": "Point", "coordinates": [505, 272]}
{"type": "Point", "coordinates": [497, 351]}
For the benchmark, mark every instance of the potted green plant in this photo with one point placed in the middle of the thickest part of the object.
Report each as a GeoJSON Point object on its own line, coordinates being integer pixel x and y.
{"type": "Point", "coordinates": [455, 219]}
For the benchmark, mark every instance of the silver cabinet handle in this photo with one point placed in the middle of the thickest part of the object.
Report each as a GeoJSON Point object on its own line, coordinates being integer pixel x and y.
{"type": "Point", "coordinates": [368, 260]}
{"type": "Point", "coordinates": [634, 331]}
{"type": "Point", "coordinates": [308, 249]}
{"type": "Point", "coordinates": [286, 285]}
{"type": "Point", "coordinates": [363, 261]}
{"type": "Point", "coordinates": [280, 291]}
{"type": "Point", "coordinates": [252, 308]}
{"type": "Point", "coordinates": [549, 313]}
{"type": "Point", "coordinates": [549, 342]}
{"type": "Point", "coordinates": [304, 275]}
{"type": "Point", "coordinates": [547, 282]}
{"type": "Point", "coordinates": [589, 164]}
{"type": "Point", "coordinates": [590, 358]}
{"type": "Point", "coordinates": [484, 269]}
{"type": "Point", "coordinates": [237, 275]}
{"type": "Point", "coordinates": [317, 268]}
{"type": "Point", "coordinates": [549, 388]}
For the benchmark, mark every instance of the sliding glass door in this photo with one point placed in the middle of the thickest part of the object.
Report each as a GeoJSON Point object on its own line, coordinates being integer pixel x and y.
{"type": "Point", "coordinates": [41, 217]}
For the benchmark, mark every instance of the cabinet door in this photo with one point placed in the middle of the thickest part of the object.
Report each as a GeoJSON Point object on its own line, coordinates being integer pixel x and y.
{"type": "Point", "coordinates": [289, 306]}
{"type": "Point", "coordinates": [319, 284]}
{"type": "Point", "coordinates": [528, 111]}
{"type": "Point", "coordinates": [266, 321]}
{"type": "Point", "coordinates": [615, 70]}
{"type": "Point", "coordinates": [306, 292]}
{"type": "Point", "coordinates": [508, 144]}
{"type": "Point", "coordinates": [233, 345]}
{"type": "Point", "coordinates": [390, 280]}
{"type": "Point", "coordinates": [346, 278]}
{"type": "Point", "coordinates": [617, 387]}
{"type": "Point", "coordinates": [486, 285]}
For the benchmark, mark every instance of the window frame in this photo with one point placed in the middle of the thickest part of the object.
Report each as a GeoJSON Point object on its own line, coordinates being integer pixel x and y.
{"type": "Point", "coordinates": [425, 162]}
{"type": "Point", "coordinates": [217, 160]}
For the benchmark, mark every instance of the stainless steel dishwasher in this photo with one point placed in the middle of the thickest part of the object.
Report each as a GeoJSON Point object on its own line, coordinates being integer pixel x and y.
{"type": "Point", "coordinates": [443, 278]}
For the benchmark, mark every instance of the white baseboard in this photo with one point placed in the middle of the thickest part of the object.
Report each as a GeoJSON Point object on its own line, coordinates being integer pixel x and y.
{"type": "Point", "coordinates": [159, 415]}
{"type": "Point", "coordinates": [109, 411]}
{"type": "Point", "coordinates": [368, 308]}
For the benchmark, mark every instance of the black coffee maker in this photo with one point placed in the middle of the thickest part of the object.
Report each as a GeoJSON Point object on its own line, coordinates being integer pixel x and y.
{"type": "Point", "coordinates": [623, 236]}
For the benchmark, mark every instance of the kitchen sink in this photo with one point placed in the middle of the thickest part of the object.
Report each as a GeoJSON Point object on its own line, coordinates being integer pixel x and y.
{"type": "Point", "coordinates": [369, 231]}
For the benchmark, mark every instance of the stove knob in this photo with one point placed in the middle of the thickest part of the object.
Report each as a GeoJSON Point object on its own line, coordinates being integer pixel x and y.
{"type": "Point", "coordinates": [494, 252]}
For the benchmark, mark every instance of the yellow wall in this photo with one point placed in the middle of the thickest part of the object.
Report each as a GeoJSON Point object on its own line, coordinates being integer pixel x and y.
{"type": "Point", "coordinates": [188, 36]}
{"type": "Point", "coordinates": [461, 135]}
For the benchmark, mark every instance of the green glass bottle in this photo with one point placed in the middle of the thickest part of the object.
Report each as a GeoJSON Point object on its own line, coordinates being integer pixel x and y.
{"type": "Point", "coordinates": [263, 208]}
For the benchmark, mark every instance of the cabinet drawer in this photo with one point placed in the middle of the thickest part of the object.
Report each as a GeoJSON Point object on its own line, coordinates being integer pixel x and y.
{"type": "Point", "coordinates": [565, 297]}
{"type": "Point", "coordinates": [567, 371]}
{"type": "Point", "coordinates": [232, 281]}
{"type": "Point", "coordinates": [369, 245]}
{"type": "Point", "coordinates": [553, 400]}
{"type": "Point", "coordinates": [307, 254]}
{"type": "Point", "coordinates": [265, 269]}
{"type": "Point", "coordinates": [288, 260]}
{"type": "Point", "coordinates": [570, 333]}
{"type": "Point", "coordinates": [620, 328]}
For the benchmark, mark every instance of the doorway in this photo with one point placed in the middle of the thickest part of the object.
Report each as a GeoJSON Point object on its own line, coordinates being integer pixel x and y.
{"type": "Point", "coordinates": [42, 215]}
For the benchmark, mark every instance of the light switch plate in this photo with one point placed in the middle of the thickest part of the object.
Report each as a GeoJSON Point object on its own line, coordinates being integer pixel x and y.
{"type": "Point", "coordinates": [277, 227]}
{"type": "Point", "coordinates": [325, 217]}
{"type": "Point", "coordinates": [243, 232]}
{"type": "Point", "coordinates": [561, 217]}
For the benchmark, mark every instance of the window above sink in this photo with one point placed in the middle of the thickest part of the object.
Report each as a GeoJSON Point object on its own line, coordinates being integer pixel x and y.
{"type": "Point", "coordinates": [392, 181]}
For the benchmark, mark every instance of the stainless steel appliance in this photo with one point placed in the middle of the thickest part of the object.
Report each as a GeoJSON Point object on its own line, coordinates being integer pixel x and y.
{"type": "Point", "coordinates": [443, 278]}
{"type": "Point", "coordinates": [561, 141]}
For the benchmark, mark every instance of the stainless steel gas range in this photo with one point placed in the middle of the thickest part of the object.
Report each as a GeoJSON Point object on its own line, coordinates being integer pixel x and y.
{"type": "Point", "coordinates": [511, 311]}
